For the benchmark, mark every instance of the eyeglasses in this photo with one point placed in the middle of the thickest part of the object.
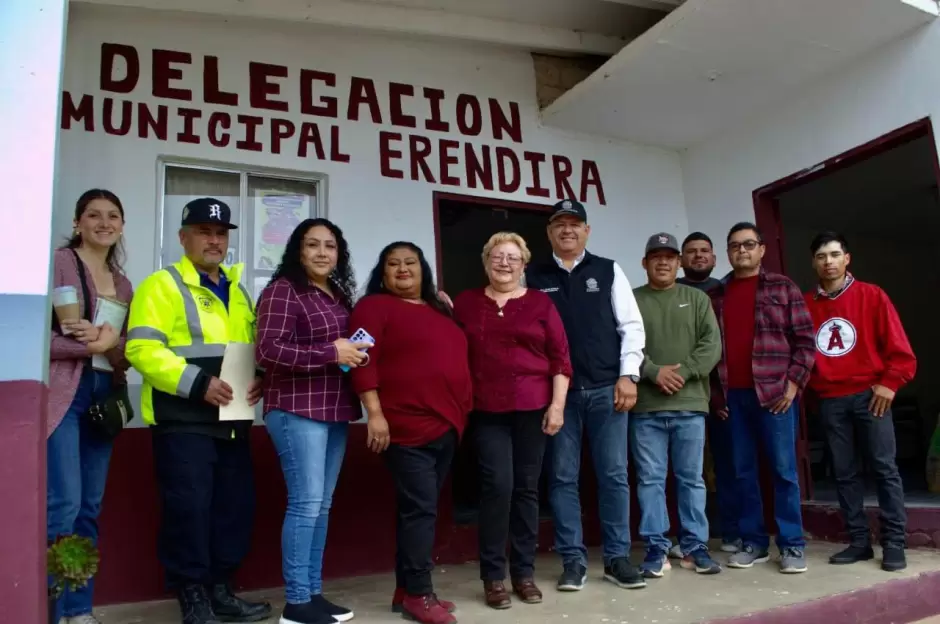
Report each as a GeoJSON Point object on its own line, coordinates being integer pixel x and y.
{"type": "Point", "coordinates": [510, 260]}
{"type": "Point", "coordinates": [748, 245]}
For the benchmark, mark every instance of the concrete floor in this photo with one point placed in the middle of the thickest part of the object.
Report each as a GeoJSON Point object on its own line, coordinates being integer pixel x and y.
{"type": "Point", "coordinates": [679, 598]}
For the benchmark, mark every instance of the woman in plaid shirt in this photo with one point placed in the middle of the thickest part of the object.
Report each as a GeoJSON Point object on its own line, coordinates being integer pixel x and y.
{"type": "Point", "coordinates": [303, 317]}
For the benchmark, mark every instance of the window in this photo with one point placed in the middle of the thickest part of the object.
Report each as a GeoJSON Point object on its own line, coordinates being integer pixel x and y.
{"type": "Point", "coordinates": [265, 206]}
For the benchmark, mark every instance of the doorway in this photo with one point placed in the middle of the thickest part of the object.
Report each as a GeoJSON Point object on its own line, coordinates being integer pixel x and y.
{"type": "Point", "coordinates": [462, 225]}
{"type": "Point", "coordinates": [883, 196]}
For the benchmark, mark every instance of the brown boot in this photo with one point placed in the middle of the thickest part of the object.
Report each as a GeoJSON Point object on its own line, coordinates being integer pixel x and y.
{"type": "Point", "coordinates": [496, 596]}
{"type": "Point", "coordinates": [527, 590]}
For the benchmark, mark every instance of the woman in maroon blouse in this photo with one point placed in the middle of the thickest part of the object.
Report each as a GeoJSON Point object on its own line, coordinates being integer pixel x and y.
{"type": "Point", "coordinates": [303, 319]}
{"type": "Point", "coordinates": [416, 389]}
{"type": "Point", "coordinates": [520, 366]}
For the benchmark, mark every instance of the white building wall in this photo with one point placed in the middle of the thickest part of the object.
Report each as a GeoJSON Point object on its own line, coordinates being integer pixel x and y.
{"type": "Point", "coordinates": [886, 90]}
{"type": "Point", "coordinates": [642, 185]}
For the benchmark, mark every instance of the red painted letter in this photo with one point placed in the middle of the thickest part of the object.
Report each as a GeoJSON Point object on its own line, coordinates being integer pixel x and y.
{"type": "Point", "coordinates": [563, 170]}
{"type": "Point", "coordinates": [328, 106]}
{"type": "Point", "coordinates": [386, 154]}
{"type": "Point", "coordinates": [260, 87]}
{"type": "Point", "coordinates": [147, 123]}
{"type": "Point", "coordinates": [211, 93]}
{"type": "Point", "coordinates": [216, 120]}
{"type": "Point", "coordinates": [420, 150]}
{"type": "Point", "coordinates": [163, 73]}
{"type": "Point", "coordinates": [251, 123]}
{"type": "Point", "coordinates": [434, 97]}
{"type": "Point", "coordinates": [85, 111]}
{"type": "Point", "coordinates": [310, 133]}
{"type": "Point", "coordinates": [189, 116]}
{"type": "Point", "coordinates": [448, 159]}
{"type": "Point", "coordinates": [280, 129]}
{"type": "Point", "coordinates": [362, 91]}
{"type": "Point", "coordinates": [475, 125]}
{"type": "Point", "coordinates": [501, 124]}
{"type": "Point", "coordinates": [535, 159]}
{"type": "Point", "coordinates": [127, 117]}
{"type": "Point", "coordinates": [590, 176]}
{"type": "Point", "coordinates": [396, 91]}
{"type": "Point", "coordinates": [478, 169]}
{"type": "Point", "coordinates": [505, 155]}
{"type": "Point", "coordinates": [335, 154]}
{"type": "Point", "coordinates": [109, 52]}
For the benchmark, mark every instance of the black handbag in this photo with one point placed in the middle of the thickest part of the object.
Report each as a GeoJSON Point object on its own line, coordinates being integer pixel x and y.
{"type": "Point", "coordinates": [107, 417]}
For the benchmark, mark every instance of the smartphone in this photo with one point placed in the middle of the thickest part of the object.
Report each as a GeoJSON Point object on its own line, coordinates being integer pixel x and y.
{"type": "Point", "coordinates": [360, 335]}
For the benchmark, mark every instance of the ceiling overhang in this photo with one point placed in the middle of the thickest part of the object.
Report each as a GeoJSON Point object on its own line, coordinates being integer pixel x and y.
{"type": "Point", "coordinates": [710, 63]}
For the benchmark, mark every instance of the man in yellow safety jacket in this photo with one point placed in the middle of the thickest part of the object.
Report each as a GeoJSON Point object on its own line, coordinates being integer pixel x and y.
{"type": "Point", "coordinates": [181, 319]}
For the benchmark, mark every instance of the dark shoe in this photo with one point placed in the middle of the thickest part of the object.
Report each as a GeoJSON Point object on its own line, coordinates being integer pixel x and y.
{"type": "Point", "coordinates": [656, 564]}
{"type": "Point", "coordinates": [230, 608]}
{"type": "Point", "coordinates": [704, 564]}
{"type": "Point", "coordinates": [338, 613]}
{"type": "Point", "coordinates": [747, 557]}
{"type": "Point", "coordinates": [573, 577]}
{"type": "Point", "coordinates": [893, 559]}
{"type": "Point", "coordinates": [852, 554]}
{"type": "Point", "coordinates": [495, 595]}
{"type": "Point", "coordinates": [399, 597]}
{"type": "Point", "coordinates": [527, 590]}
{"type": "Point", "coordinates": [425, 609]}
{"type": "Point", "coordinates": [622, 573]}
{"type": "Point", "coordinates": [195, 606]}
{"type": "Point", "coordinates": [306, 613]}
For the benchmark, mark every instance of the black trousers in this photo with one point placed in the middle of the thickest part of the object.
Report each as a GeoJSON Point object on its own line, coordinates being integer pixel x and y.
{"type": "Point", "coordinates": [853, 433]}
{"type": "Point", "coordinates": [208, 502]}
{"type": "Point", "coordinates": [510, 448]}
{"type": "Point", "coordinates": [419, 473]}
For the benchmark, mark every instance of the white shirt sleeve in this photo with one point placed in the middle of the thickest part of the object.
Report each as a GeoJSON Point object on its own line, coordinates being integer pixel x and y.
{"type": "Point", "coordinates": [629, 324]}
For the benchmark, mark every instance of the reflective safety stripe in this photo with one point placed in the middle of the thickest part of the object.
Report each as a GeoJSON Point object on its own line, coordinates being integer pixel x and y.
{"type": "Point", "coordinates": [244, 290]}
{"type": "Point", "coordinates": [185, 387]}
{"type": "Point", "coordinates": [189, 305]}
{"type": "Point", "coordinates": [199, 350]}
{"type": "Point", "coordinates": [147, 333]}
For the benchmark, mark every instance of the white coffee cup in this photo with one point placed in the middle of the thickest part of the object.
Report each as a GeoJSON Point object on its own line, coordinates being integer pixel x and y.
{"type": "Point", "coordinates": [65, 304]}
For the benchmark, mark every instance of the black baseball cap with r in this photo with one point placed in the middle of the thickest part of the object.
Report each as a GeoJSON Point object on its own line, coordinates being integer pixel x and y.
{"type": "Point", "coordinates": [569, 207]}
{"type": "Point", "coordinates": [208, 211]}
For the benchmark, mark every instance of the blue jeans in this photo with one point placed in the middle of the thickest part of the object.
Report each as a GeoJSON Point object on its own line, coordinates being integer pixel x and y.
{"type": "Point", "coordinates": [655, 439]}
{"type": "Point", "coordinates": [752, 425]}
{"type": "Point", "coordinates": [591, 411]}
{"type": "Point", "coordinates": [77, 469]}
{"type": "Point", "coordinates": [311, 454]}
{"type": "Point", "coordinates": [719, 441]}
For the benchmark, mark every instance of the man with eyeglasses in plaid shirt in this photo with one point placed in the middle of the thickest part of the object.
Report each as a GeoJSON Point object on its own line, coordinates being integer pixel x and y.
{"type": "Point", "coordinates": [767, 355]}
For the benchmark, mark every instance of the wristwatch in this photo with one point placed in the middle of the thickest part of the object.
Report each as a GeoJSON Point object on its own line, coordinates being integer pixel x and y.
{"type": "Point", "coordinates": [633, 378]}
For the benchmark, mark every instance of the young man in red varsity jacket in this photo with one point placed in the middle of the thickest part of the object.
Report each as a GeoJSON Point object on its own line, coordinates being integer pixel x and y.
{"type": "Point", "coordinates": [862, 358]}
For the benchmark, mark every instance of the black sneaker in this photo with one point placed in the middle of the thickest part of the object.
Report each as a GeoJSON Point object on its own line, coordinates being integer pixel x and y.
{"type": "Point", "coordinates": [573, 577]}
{"type": "Point", "coordinates": [893, 559]}
{"type": "Point", "coordinates": [340, 614]}
{"type": "Point", "coordinates": [306, 613]}
{"type": "Point", "coordinates": [622, 573]}
{"type": "Point", "coordinates": [852, 554]}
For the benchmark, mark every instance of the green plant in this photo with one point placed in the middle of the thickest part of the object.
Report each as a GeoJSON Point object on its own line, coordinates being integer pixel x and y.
{"type": "Point", "coordinates": [71, 562]}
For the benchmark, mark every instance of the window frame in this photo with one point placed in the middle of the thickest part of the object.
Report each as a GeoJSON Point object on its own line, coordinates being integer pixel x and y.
{"type": "Point", "coordinates": [319, 180]}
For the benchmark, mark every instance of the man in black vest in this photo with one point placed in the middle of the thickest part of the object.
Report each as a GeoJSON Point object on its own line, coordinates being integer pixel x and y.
{"type": "Point", "coordinates": [606, 338]}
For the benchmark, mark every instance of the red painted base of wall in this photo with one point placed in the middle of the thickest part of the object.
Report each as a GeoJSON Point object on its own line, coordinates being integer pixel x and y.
{"type": "Point", "coordinates": [362, 523]}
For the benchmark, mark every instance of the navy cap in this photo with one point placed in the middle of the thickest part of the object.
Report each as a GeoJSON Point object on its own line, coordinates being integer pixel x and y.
{"type": "Point", "coordinates": [568, 207]}
{"type": "Point", "coordinates": [663, 240]}
{"type": "Point", "coordinates": [208, 211]}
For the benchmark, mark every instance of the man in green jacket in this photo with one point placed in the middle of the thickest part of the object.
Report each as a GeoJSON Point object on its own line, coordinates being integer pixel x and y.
{"type": "Point", "coordinates": [683, 345]}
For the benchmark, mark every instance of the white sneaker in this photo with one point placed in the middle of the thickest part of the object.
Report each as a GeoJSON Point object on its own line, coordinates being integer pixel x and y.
{"type": "Point", "coordinates": [675, 552]}
{"type": "Point", "coordinates": [86, 618]}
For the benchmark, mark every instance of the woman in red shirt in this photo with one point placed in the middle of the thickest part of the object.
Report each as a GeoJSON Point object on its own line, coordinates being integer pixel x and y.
{"type": "Point", "coordinates": [417, 392]}
{"type": "Point", "coordinates": [521, 368]}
